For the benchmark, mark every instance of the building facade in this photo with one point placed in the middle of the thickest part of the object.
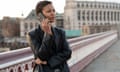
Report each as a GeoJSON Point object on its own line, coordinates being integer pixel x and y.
{"type": "Point", "coordinates": [1, 36]}
{"type": "Point", "coordinates": [59, 20]}
{"type": "Point", "coordinates": [0, 28]}
{"type": "Point", "coordinates": [91, 16]}
{"type": "Point", "coordinates": [31, 22]}
{"type": "Point", "coordinates": [10, 27]}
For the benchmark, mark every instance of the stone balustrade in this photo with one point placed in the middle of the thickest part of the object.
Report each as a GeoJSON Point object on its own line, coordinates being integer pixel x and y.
{"type": "Point", "coordinates": [84, 50]}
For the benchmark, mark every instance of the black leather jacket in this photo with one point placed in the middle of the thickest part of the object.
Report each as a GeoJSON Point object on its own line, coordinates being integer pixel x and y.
{"type": "Point", "coordinates": [53, 49]}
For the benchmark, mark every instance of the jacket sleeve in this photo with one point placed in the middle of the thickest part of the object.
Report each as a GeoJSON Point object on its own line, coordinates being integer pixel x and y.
{"type": "Point", "coordinates": [63, 55]}
{"type": "Point", "coordinates": [40, 49]}
{"type": "Point", "coordinates": [44, 50]}
{"type": "Point", "coordinates": [32, 43]}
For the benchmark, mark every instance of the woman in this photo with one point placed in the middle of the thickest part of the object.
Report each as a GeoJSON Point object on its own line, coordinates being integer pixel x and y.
{"type": "Point", "coordinates": [48, 43]}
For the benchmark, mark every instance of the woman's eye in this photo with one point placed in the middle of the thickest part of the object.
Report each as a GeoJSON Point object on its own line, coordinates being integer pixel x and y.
{"type": "Point", "coordinates": [49, 11]}
{"type": "Point", "coordinates": [53, 10]}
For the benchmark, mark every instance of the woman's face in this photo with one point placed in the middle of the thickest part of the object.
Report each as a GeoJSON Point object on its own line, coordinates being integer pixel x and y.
{"type": "Point", "coordinates": [49, 12]}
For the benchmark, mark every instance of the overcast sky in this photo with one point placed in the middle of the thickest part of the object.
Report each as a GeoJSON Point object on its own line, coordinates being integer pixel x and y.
{"type": "Point", "coordinates": [15, 8]}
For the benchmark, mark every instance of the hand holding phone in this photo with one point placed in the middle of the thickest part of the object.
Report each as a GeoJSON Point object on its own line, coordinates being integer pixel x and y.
{"type": "Point", "coordinates": [41, 17]}
{"type": "Point", "coordinates": [46, 27]}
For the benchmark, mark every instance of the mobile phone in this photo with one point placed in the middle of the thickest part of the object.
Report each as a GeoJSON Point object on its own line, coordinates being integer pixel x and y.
{"type": "Point", "coordinates": [41, 17]}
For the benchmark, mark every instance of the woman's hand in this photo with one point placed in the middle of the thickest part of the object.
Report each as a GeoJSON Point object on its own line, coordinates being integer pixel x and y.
{"type": "Point", "coordinates": [38, 61]}
{"type": "Point", "coordinates": [46, 26]}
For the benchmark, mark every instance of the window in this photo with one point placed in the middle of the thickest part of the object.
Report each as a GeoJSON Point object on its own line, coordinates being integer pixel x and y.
{"type": "Point", "coordinates": [108, 16]}
{"type": "Point", "coordinates": [78, 14]}
{"type": "Point", "coordinates": [26, 26]}
{"type": "Point", "coordinates": [91, 5]}
{"type": "Point", "coordinates": [96, 12]}
{"type": "Point", "coordinates": [110, 6]}
{"type": "Point", "coordinates": [111, 16]}
{"type": "Point", "coordinates": [116, 6]}
{"type": "Point", "coordinates": [88, 14]}
{"type": "Point", "coordinates": [83, 5]}
{"type": "Point", "coordinates": [79, 25]}
{"type": "Point", "coordinates": [92, 13]}
{"type": "Point", "coordinates": [113, 6]}
{"type": "Point", "coordinates": [96, 15]}
{"type": "Point", "coordinates": [31, 25]}
{"type": "Point", "coordinates": [118, 15]}
{"type": "Point", "coordinates": [102, 6]}
{"type": "Point", "coordinates": [87, 5]}
{"type": "Point", "coordinates": [106, 6]}
{"type": "Point", "coordinates": [99, 6]}
{"type": "Point", "coordinates": [36, 24]}
{"type": "Point", "coordinates": [104, 15]}
{"type": "Point", "coordinates": [100, 15]}
{"type": "Point", "coordinates": [95, 6]}
{"type": "Point", "coordinates": [33, 15]}
{"type": "Point", "coordinates": [78, 5]}
{"type": "Point", "coordinates": [114, 16]}
{"type": "Point", "coordinates": [83, 15]}
{"type": "Point", "coordinates": [25, 33]}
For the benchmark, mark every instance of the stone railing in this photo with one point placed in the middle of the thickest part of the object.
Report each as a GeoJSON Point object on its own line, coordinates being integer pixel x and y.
{"type": "Point", "coordinates": [84, 50]}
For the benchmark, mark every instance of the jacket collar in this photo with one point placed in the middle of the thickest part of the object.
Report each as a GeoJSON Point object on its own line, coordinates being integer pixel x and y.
{"type": "Point", "coordinates": [56, 36]}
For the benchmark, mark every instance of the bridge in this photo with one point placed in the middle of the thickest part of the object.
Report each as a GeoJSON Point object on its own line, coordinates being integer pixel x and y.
{"type": "Point", "coordinates": [85, 49]}
{"type": "Point", "coordinates": [107, 62]}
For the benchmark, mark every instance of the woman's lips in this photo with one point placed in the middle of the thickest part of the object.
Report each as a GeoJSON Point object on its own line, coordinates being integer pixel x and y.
{"type": "Point", "coordinates": [52, 18]}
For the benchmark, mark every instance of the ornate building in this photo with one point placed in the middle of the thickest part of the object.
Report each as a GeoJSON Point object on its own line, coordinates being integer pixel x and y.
{"type": "Point", "coordinates": [31, 22]}
{"type": "Point", "coordinates": [28, 23]}
{"type": "Point", "coordinates": [91, 16]}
